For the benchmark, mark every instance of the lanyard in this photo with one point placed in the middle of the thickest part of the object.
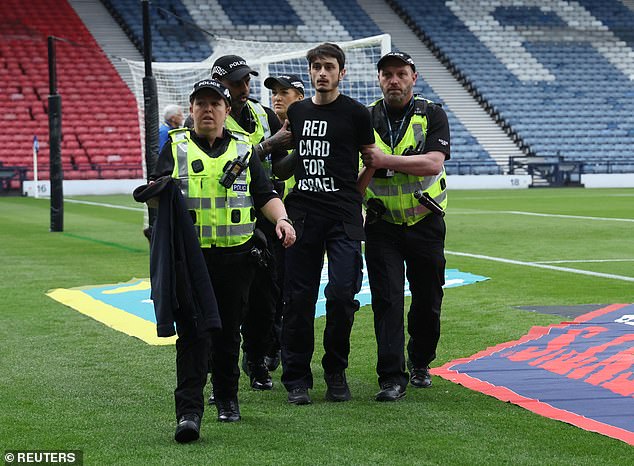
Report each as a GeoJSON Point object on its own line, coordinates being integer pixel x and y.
{"type": "Point", "coordinates": [394, 135]}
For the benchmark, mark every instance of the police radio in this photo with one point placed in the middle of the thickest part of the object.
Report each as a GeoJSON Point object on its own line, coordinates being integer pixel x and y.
{"type": "Point", "coordinates": [233, 169]}
{"type": "Point", "coordinates": [427, 201]}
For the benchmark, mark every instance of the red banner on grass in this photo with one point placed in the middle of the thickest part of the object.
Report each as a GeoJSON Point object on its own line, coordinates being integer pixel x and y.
{"type": "Point", "coordinates": [579, 372]}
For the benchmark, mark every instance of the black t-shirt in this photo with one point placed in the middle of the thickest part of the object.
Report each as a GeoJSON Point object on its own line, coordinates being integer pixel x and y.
{"type": "Point", "coordinates": [328, 139]}
{"type": "Point", "coordinates": [437, 138]}
{"type": "Point", "coordinates": [261, 187]}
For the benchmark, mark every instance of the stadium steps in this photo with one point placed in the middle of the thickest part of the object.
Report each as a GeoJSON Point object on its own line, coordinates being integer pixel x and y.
{"type": "Point", "coordinates": [108, 35]}
{"type": "Point", "coordinates": [477, 121]}
{"type": "Point", "coordinates": [628, 3]}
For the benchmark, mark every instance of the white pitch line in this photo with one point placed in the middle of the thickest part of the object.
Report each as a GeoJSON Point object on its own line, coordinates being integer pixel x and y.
{"type": "Point", "coordinates": [542, 266]}
{"type": "Point", "coordinates": [583, 261]}
{"type": "Point", "coordinates": [537, 214]}
{"type": "Point", "coordinates": [101, 204]}
{"type": "Point", "coordinates": [581, 217]}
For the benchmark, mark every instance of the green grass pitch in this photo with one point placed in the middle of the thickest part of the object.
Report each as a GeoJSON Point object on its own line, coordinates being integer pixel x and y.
{"type": "Point", "coordinates": [68, 382]}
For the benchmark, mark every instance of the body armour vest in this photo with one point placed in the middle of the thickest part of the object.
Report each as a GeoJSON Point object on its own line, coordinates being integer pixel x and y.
{"type": "Point", "coordinates": [222, 217]}
{"type": "Point", "coordinates": [397, 191]}
{"type": "Point", "coordinates": [262, 130]}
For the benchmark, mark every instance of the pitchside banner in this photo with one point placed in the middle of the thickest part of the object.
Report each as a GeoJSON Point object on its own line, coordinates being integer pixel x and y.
{"type": "Point", "coordinates": [579, 372]}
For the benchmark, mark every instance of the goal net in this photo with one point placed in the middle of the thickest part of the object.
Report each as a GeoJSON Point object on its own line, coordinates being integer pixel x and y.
{"type": "Point", "coordinates": [174, 81]}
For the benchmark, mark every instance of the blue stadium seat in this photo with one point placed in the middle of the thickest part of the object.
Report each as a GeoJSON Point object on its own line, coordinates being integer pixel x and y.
{"type": "Point", "coordinates": [581, 91]}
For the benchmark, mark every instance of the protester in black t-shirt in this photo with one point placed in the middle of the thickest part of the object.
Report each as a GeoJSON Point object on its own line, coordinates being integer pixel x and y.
{"type": "Point", "coordinates": [328, 130]}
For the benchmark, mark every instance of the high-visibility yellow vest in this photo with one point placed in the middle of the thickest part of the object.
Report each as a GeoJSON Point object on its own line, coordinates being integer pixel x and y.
{"type": "Point", "coordinates": [223, 217]}
{"type": "Point", "coordinates": [397, 191]}
{"type": "Point", "coordinates": [262, 130]}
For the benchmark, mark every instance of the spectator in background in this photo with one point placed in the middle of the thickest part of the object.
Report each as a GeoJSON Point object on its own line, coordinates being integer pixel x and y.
{"type": "Point", "coordinates": [412, 135]}
{"type": "Point", "coordinates": [172, 118]}
{"type": "Point", "coordinates": [285, 90]}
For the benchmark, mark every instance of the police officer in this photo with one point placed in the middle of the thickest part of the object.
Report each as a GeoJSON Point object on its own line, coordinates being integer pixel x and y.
{"type": "Point", "coordinates": [404, 238]}
{"type": "Point", "coordinates": [223, 181]}
{"type": "Point", "coordinates": [285, 90]}
{"type": "Point", "coordinates": [258, 123]}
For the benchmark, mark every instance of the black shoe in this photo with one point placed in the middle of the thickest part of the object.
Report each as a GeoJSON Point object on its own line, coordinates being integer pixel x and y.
{"type": "Point", "coordinates": [299, 396]}
{"type": "Point", "coordinates": [228, 410]}
{"type": "Point", "coordinates": [188, 428]}
{"type": "Point", "coordinates": [420, 378]}
{"type": "Point", "coordinates": [390, 392]}
{"type": "Point", "coordinates": [272, 362]}
{"type": "Point", "coordinates": [337, 387]}
{"type": "Point", "coordinates": [259, 375]}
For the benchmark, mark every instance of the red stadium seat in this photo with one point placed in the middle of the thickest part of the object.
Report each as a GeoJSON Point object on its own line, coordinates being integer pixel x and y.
{"type": "Point", "coordinates": [85, 75]}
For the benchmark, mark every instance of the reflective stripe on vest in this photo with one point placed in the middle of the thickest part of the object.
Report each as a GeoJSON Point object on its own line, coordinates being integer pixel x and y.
{"type": "Point", "coordinates": [223, 217]}
{"type": "Point", "coordinates": [397, 192]}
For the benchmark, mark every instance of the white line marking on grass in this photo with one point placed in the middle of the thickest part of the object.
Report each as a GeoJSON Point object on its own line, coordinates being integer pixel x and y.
{"type": "Point", "coordinates": [517, 212]}
{"type": "Point", "coordinates": [583, 260]}
{"type": "Point", "coordinates": [536, 214]}
{"type": "Point", "coordinates": [542, 266]}
{"type": "Point", "coordinates": [101, 204]}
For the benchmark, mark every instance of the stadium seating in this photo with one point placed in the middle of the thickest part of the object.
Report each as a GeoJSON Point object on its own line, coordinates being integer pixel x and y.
{"type": "Point", "coordinates": [96, 103]}
{"type": "Point", "coordinates": [562, 94]}
{"type": "Point", "coordinates": [172, 38]}
{"type": "Point", "coordinates": [531, 66]}
{"type": "Point", "coordinates": [265, 20]}
{"type": "Point", "coordinates": [275, 20]}
{"type": "Point", "coordinates": [468, 157]}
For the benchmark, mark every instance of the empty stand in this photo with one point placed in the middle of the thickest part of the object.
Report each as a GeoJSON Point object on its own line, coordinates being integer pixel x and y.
{"type": "Point", "coordinates": [559, 74]}
{"type": "Point", "coordinates": [97, 106]}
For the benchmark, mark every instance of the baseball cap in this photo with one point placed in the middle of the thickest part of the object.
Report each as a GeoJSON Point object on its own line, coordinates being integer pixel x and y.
{"type": "Point", "coordinates": [402, 56]}
{"type": "Point", "coordinates": [287, 81]}
{"type": "Point", "coordinates": [231, 67]}
{"type": "Point", "coordinates": [210, 84]}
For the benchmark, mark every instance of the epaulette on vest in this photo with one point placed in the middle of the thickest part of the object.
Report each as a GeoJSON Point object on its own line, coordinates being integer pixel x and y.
{"type": "Point", "coordinates": [239, 136]}
{"type": "Point", "coordinates": [378, 111]}
{"type": "Point", "coordinates": [178, 133]}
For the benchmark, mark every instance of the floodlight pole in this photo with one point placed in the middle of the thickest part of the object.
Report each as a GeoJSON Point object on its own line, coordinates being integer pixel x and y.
{"type": "Point", "coordinates": [55, 142]}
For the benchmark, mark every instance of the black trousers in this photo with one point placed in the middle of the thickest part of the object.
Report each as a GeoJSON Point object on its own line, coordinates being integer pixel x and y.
{"type": "Point", "coordinates": [275, 336]}
{"type": "Point", "coordinates": [388, 249]}
{"type": "Point", "coordinates": [192, 352]}
{"type": "Point", "coordinates": [304, 261]}
{"type": "Point", "coordinates": [231, 276]}
{"type": "Point", "coordinates": [258, 328]}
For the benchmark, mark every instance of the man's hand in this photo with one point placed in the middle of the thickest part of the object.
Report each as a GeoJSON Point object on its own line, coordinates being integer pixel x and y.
{"type": "Point", "coordinates": [372, 156]}
{"type": "Point", "coordinates": [285, 231]}
{"type": "Point", "coordinates": [283, 139]}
